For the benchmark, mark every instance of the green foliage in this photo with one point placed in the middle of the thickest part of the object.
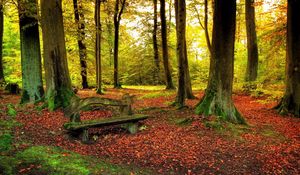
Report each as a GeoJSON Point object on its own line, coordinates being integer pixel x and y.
{"type": "Point", "coordinates": [11, 111]}
{"type": "Point", "coordinates": [7, 165]}
{"type": "Point", "coordinates": [5, 142]}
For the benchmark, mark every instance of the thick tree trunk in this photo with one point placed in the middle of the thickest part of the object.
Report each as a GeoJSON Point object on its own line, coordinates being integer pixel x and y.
{"type": "Point", "coordinates": [58, 84]}
{"type": "Point", "coordinates": [30, 52]}
{"type": "Point", "coordinates": [2, 79]}
{"type": "Point", "coordinates": [168, 75]}
{"type": "Point", "coordinates": [98, 46]}
{"type": "Point", "coordinates": [252, 64]}
{"type": "Point", "coordinates": [79, 20]}
{"type": "Point", "coordinates": [218, 95]}
{"type": "Point", "coordinates": [180, 9]}
{"type": "Point", "coordinates": [117, 18]}
{"type": "Point", "coordinates": [155, 45]}
{"type": "Point", "coordinates": [290, 103]}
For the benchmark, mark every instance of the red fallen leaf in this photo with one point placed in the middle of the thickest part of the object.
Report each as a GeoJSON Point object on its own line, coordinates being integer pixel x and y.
{"type": "Point", "coordinates": [22, 170]}
{"type": "Point", "coordinates": [65, 154]}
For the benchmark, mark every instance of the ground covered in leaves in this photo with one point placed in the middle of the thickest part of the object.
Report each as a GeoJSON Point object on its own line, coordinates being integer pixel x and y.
{"type": "Point", "coordinates": [170, 141]}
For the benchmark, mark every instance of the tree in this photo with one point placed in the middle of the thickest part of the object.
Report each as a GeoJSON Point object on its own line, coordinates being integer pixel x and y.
{"type": "Point", "coordinates": [252, 64]}
{"type": "Point", "coordinates": [58, 84]}
{"type": "Point", "coordinates": [155, 46]}
{"type": "Point", "coordinates": [2, 79]}
{"type": "Point", "coordinates": [168, 76]}
{"type": "Point", "coordinates": [117, 18]}
{"type": "Point", "coordinates": [98, 46]}
{"type": "Point", "coordinates": [180, 9]}
{"type": "Point", "coordinates": [79, 20]}
{"type": "Point", "coordinates": [218, 95]}
{"type": "Point", "coordinates": [290, 102]}
{"type": "Point", "coordinates": [30, 52]}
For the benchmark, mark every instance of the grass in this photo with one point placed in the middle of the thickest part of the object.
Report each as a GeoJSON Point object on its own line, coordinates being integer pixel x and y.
{"type": "Point", "coordinates": [158, 94]}
{"type": "Point", "coordinates": [54, 160]}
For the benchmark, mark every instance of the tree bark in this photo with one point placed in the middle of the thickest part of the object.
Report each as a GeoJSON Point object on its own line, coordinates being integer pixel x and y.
{"type": "Point", "coordinates": [58, 84]}
{"type": "Point", "coordinates": [252, 64]}
{"type": "Point", "coordinates": [168, 75]}
{"type": "Point", "coordinates": [79, 20]}
{"type": "Point", "coordinates": [188, 83]}
{"type": "Point", "coordinates": [180, 10]}
{"type": "Point", "coordinates": [2, 79]}
{"type": "Point", "coordinates": [98, 46]}
{"type": "Point", "coordinates": [218, 95]}
{"type": "Point", "coordinates": [117, 18]}
{"type": "Point", "coordinates": [155, 45]}
{"type": "Point", "coordinates": [290, 102]}
{"type": "Point", "coordinates": [30, 52]}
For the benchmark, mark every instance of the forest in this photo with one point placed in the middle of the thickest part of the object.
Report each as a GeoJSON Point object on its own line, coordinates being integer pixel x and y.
{"type": "Point", "coordinates": [149, 87]}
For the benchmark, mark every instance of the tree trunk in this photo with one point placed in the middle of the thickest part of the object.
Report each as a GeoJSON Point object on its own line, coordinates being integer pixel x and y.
{"type": "Point", "coordinates": [180, 10]}
{"type": "Point", "coordinates": [252, 64]}
{"type": "Point", "coordinates": [155, 46]}
{"type": "Point", "coordinates": [2, 79]}
{"type": "Point", "coordinates": [117, 18]}
{"type": "Point", "coordinates": [168, 75]}
{"type": "Point", "coordinates": [58, 84]}
{"type": "Point", "coordinates": [188, 83]}
{"type": "Point", "coordinates": [218, 95]}
{"type": "Point", "coordinates": [290, 103]}
{"type": "Point", "coordinates": [79, 20]}
{"type": "Point", "coordinates": [98, 46]}
{"type": "Point", "coordinates": [30, 52]}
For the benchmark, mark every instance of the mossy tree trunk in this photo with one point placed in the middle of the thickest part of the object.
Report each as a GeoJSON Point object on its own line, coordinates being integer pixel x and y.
{"type": "Point", "coordinates": [79, 20]}
{"type": "Point", "coordinates": [180, 9]}
{"type": "Point", "coordinates": [117, 19]}
{"type": "Point", "coordinates": [155, 45]}
{"type": "Point", "coordinates": [218, 95]}
{"type": "Point", "coordinates": [30, 52]}
{"type": "Point", "coordinates": [2, 79]}
{"type": "Point", "coordinates": [252, 64]}
{"type": "Point", "coordinates": [290, 103]}
{"type": "Point", "coordinates": [58, 84]}
{"type": "Point", "coordinates": [165, 50]}
{"type": "Point", "coordinates": [98, 46]}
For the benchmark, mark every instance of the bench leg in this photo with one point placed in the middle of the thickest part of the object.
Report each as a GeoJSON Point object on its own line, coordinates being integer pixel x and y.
{"type": "Point", "coordinates": [85, 136]}
{"type": "Point", "coordinates": [132, 127]}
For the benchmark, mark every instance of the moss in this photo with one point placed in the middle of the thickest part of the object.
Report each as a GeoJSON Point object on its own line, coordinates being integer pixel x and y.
{"type": "Point", "coordinates": [5, 142]}
{"type": "Point", "coordinates": [60, 98]}
{"type": "Point", "coordinates": [158, 94]}
{"type": "Point", "coordinates": [7, 165]}
{"type": "Point", "coordinates": [54, 160]}
{"type": "Point", "coordinates": [25, 97]}
{"type": "Point", "coordinates": [204, 106]}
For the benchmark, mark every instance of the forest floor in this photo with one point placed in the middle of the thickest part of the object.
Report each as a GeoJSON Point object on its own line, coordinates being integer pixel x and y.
{"type": "Point", "coordinates": [170, 141]}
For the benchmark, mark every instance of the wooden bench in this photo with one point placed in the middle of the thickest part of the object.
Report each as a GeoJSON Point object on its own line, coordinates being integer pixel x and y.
{"type": "Point", "coordinates": [126, 118]}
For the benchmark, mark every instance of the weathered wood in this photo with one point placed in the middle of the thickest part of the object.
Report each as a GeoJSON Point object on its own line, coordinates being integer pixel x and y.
{"type": "Point", "coordinates": [77, 104]}
{"type": "Point", "coordinates": [105, 122]}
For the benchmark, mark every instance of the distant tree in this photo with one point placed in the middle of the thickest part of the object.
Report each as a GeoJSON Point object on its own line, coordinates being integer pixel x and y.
{"type": "Point", "coordinates": [30, 52]}
{"type": "Point", "coordinates": [58, 84]}
{"type": "Point", "coordinates": [218, 95]}
{"type": "Point", "coordinates": [2, 79]}
{"type": "Point", "coordinates": [98, 46]}
{"type": "Point", "coordinates": [252, 64]}
{"type": "Point", "coordinates": [155, 45]}
{"type": "Point", "coordinates": [119, 9]}
{"type": "Point", "coordinates": [290, 102]}
{"type": "Point", "coordinates": [165, 52]}
{"type": "Point", "coordinates": [79, 20]}
{"type": "Point", "coordinates": [180, 9]}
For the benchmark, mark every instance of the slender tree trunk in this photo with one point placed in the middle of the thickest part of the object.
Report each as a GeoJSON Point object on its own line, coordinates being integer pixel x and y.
{"type": "Point", "coordinates": [168, 75]}
{"type": "Point", "coordinates": [290, 102]}
{"type": "Point", "coordinates": [98, 46]}
{"type": "Point", "coordinates": [155, 46]}
{"type": "Point", "coordinates": [79, 20]}
{"type": "Point", "coordinates": [180, 10]}
{"type": "Point", "coordinates": [30, 52]}
{"type": "Point", "coordinates": [2, 79]}
{"type": "Point", "coordinates": [252, 64]}
{"type": "Point", "coordinates": [117, 18]}
{"type": "Point", "coordinates": [188, 83]}
{"type": "Point", "coordinates": [218, 95]}
{"type": "Point", "coordinates": [58, 84]}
